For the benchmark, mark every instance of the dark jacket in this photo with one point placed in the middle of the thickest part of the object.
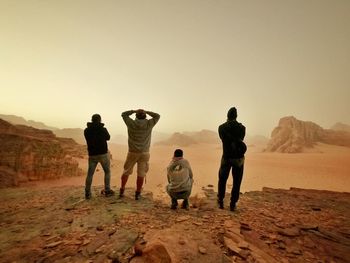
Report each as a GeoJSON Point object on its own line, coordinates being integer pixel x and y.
{"type": "Point", "coordinates": [232, 135]}
{"type": "Point", "coordinates": [96, 138]}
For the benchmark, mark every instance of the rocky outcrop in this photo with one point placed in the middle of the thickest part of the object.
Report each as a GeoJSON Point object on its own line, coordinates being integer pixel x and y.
{"type": "Point", "coordinates": [274, 225]}
{"type": "Point", "coordinates": [29, 154]}
{"type": "Point", "coordinates": [293, 136]}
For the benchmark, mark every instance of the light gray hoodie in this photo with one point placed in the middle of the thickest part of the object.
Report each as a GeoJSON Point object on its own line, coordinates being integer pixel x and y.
{"type": "Point", "coordinates": [180, 176]}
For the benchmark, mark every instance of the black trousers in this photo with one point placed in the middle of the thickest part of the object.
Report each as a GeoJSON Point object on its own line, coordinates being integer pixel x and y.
{"type": "Point", "coordinates": [237, 166]}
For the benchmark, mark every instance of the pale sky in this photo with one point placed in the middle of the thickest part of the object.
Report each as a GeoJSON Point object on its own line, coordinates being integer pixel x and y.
{"type": "Point", "coordinates": [63, 60]}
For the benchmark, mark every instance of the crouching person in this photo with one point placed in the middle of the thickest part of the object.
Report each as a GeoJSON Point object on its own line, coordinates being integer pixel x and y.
{"type": "Point", "coordinates": [180, 179]}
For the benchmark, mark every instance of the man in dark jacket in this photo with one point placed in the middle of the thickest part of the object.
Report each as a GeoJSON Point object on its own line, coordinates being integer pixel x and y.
{"type": "Point", "coordinates": [231, 134]}
{"type": "Point", "coordinates": [96, 136]}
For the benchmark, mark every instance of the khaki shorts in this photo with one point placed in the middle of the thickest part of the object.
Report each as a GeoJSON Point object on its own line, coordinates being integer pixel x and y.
{"type": "Point", "coordinates": [141, 159]}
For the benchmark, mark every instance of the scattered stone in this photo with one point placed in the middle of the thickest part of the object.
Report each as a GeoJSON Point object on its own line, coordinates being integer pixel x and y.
{"type": "Point", "coordinates": [86, 241]}
{"type": "Point", "coordinates": [114, 256]}
{"type": "Point", "coordinates": [308, 227]}
{"type": "Point", "coordinates": [54, 244]}
{"type": "Point", "coordinates": [234, 234]}
{"type": "Point", "coordinates": [243, 244]}
{"type": "Point", "coordinates": [99, 228]}
{"type": "Point", "coordinates": [155, 252]}
{"type": "Point", "coordinates": [202, 250]}
{"type": "Point", "coordinates": [138, 249]}
{"type": "Point", "coordinates": [231, 245]}
{"type": "Point", "coordinates": [244, 253]}
{"type": "Point", "coordinates": [182, 218]}
{"type": "Point", "coordinates": [111, 232]}
{"type": "Point", "coordinates": [50, 238]}
{"type": "Point", "coordinates": [245, 226]}
{"type": "Point", "coordinates": [293, 250]}
{"type": "Point", "coordinates": [289, 232]}
{"type": "Point", "coordinates": [182, 241]}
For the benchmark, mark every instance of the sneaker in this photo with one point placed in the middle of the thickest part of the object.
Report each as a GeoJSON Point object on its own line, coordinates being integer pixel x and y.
{"type": "Point", "coordinates": [109, 193]}
{"type": "Point", "coordinates": [232, 207]}
{"type": "Point", "coordinates": [121, 192]}
{"type": "Point", "coordinates": [137, 195]}
{"type": "Point", "coordinates": [185, 204]}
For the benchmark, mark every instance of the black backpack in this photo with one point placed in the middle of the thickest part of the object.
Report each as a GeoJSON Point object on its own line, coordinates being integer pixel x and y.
{"type": "Point", "coordinates": [238, 148]}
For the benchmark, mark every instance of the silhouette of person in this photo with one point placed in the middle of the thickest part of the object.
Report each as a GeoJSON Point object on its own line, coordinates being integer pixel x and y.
{"type": "Point", "coordinates": [139, 141]}
{"type": "Point", "coordinates": [231, 134]}
{"type": "Point", "coordinates": [96, 136]}
{"type": "Point", "coordinates": [180, 179]}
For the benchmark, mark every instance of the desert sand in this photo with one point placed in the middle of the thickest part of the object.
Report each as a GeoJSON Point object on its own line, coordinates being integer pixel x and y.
{"type": "Point", "coordinates": [325, 167]}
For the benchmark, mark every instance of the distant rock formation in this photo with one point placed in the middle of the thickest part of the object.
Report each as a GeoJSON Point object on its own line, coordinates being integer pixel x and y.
{"type": "Point", "coordinates": [189, 138]}
{"type": "Point", "coordinates": [256, 140]}
{"type": "Point", "coordinates": [341, 127]}
{"type": "Point", "coordinates": [293, 135]}
{"type": "Point", "coordinates": [178, 139]}
{"type": "Point", "coordinates": [204, 136]}
{"type": "Point", "coordinates": [29, 154]}
{"type": "Point", "coordinates": [76, 134]}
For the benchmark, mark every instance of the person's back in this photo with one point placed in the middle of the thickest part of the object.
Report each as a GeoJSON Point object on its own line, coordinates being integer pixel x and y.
{"type": "Point", "coordinates": [180, 179]}
{"type": "Point", "coordinates": [96, 136]}
{"type": "Point", "coordinates": [140, 131]}
{"type": "Point", "coordinates": [179, 175]}
{"type": "Point", "coordinates": [139, 142]}
{"type": "Point", "coordinates": [231, 134]}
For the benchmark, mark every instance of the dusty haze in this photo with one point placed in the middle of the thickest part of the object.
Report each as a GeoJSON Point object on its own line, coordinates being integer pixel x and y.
{"type": "Point", "coordinates": [63, 61]}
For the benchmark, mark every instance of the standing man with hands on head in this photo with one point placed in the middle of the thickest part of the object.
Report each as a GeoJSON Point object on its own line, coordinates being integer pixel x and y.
{"type": "Point", "coordinates": [139, 141]}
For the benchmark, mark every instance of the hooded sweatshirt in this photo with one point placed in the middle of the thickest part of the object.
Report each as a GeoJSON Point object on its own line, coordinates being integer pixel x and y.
{"type": "Point", "coordinates": [96, 136]}
{"type": "Point", "coordinates": [180, 176]}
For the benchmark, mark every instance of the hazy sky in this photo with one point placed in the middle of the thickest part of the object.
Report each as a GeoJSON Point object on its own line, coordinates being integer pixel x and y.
{"type": "Point", "coordinates": [63, 60]}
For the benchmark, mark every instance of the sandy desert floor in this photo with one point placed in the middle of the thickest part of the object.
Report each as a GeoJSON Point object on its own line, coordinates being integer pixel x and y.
{"type": "Point", "coordinates": [326, 167]}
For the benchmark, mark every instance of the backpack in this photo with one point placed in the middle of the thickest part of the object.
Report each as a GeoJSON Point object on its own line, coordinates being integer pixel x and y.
{"type": "Point", "coordinates": [238, 148]}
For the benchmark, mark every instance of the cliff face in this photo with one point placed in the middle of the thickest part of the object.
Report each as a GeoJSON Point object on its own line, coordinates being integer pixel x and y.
{"type": "Point", "coordinates": [293, 135]}
{"type": "Point", "coordinates": [29, 154]}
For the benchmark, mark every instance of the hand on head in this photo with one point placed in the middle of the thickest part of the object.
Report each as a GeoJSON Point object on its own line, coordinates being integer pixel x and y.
{"type": "Point", "coordinates": [140, 114]}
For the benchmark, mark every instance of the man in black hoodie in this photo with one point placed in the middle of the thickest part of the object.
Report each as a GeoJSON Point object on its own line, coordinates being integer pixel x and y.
{"type": "Point", "coordinates": [231, 134]}
{"type": "Point", "coordinates": [96, 136]}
